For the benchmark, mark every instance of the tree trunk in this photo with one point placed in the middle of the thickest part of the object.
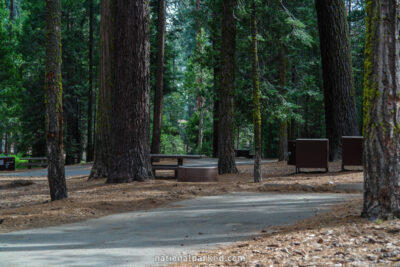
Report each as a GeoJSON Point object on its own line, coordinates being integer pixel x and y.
{"type": "Point", "coordinates": [77, 133]}
{"type": "Point", "coordinates": [100, 167]}
{"type": "Point", "coordinates": [53, 97]}
{"type": "Point", "coordinates": [293, 124]}
{"type": "Point", "coordinates": [201, 118]}
{"type": "Point", "coordinates": [256, 98]}
{"type": "Point", "coordinates": [226, 151]}
{"type": "Point", "coordinates": [268, 147]}
{"type": "Point", "coordinates": [283, 128]}
{"type": "Point", "coordinates": [306, 133]}
{"type": "Point", "coordinates": [215, 122]}
{"type": "Point", "coordinates": [11, 9]}
{"type": "Point", "coordinates": [340, 107]}
{"type": "Point", "coordinates": [158, 95]}
{"type": "Point", "coordinates": [349, 13]}
{"type": "Point", "coordinates": [382, 111]}
{"type": "Point", "coordinates": [69, 143]}
{"type": "Point", "coordinates": [215, 39]}
{"type": "Point", "coordinates": [89, 148]}
{"type": "Point", "coordinates": [200, 99]}
{"type": "Point", "coordinates": [130, 142]}
{"type": "Point", "coordinates": [6, 151]}
{"type": "Point", "coordinates": [238, 138]}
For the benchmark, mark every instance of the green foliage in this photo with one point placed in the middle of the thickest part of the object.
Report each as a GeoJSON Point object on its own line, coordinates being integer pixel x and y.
{"type": "Point", "coordinates": [191, 56]}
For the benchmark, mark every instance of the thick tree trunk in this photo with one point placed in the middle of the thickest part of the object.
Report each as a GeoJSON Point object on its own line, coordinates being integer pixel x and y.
{"type": "Point", "coordinates": [89, 148]}
{"type": "Point", "coordinates": [53, 94]}
{"type": "Point", "coordinates": [256, 98]}
{"type": "Point", "coordinates": [130, 142]}
{"type": "Point", "coordinates": [283, 128]}
{"type": "Point", "coordinates": [382, 111]}
{"type": "Point", "coordinates": [226, 151]}
{"type": "Point", "coordinates": [158, 94]}
{"type": "Point", "coordinates": [100, 167]}
{"type": "Point", "coordinates": [340, 107]}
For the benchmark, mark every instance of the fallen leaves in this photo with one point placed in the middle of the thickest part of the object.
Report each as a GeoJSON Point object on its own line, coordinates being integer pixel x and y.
{"type": "Point", "coordinates": [335, 238]}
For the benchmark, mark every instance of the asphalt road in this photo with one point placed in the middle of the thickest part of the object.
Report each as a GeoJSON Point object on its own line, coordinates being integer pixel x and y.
{"type": "Point", "coordinates": [82, 170]}
{"type": "Point", "coordinates": [143, 237]}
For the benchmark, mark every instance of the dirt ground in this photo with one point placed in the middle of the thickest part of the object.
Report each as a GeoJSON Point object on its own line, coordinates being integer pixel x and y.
{"type": "Point", "coordinates": [25, 203]}
{"type": "Point", "coordinates": [335, 238]}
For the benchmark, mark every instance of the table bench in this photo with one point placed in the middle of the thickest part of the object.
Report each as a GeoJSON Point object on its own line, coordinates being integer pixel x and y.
{"type": "Point", "coordinates": [173, 167]}
{"type": "Point", "coordinates": [35, 162]}
{"type": "Point", "coordinates": [245, 153]}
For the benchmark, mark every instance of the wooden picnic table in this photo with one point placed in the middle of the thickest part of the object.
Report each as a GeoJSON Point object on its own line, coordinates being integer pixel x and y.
{"type": "Point", "coordinates": [35, 161]}
{"type": "Point", "coordinates": [173, 167]}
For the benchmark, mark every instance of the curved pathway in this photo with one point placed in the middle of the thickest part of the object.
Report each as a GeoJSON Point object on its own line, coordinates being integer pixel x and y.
{"type": "Point", "coordinates": [141, 238]}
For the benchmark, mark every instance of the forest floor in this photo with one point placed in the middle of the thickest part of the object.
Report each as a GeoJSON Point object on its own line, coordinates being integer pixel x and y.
{"type": "Point", "coordinates": [25, 203]}
{"type": "Point", "coordinates": [339, 237]}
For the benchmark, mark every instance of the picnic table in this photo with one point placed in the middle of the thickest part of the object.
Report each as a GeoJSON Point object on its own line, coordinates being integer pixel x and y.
{"type": "Point", "coordinates": [174, 167]}
{"type": "Point", "coordinates": [7, 164]}
{"type": "Point", "coordinates": [35, 161]}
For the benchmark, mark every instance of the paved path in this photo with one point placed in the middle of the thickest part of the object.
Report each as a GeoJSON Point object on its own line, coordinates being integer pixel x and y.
{"type": "Point", "coordinates": [136, 238]}
{"type": "Point", "coordinates": [82, 170]}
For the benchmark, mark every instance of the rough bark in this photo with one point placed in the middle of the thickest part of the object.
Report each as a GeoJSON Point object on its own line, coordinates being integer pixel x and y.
{"type": "Point", "coordinates": [53, 100]}
{"type": "Point", "coordinates": [382, 111]}
{"type": "Point", "coordinates": [130, 142]}
{"type": "Point", "coordinates": [89, 148]}
{"type": "Point", "coordinates": [158, 94]}
{"type": "Point", "coordinates": [283, 127]}
{"type": "Point", "coordinates": [226, 152]}
{"type": "Point", "coordinates": [340, 107]}
{"type": "Point", "coordinates": [256, 98]}
{"type": "Point", "coordinates": [100, 167]}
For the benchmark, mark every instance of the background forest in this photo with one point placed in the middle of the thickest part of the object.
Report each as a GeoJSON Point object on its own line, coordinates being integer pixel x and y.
{"type": "Point", "coordinates": [289, 64]}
